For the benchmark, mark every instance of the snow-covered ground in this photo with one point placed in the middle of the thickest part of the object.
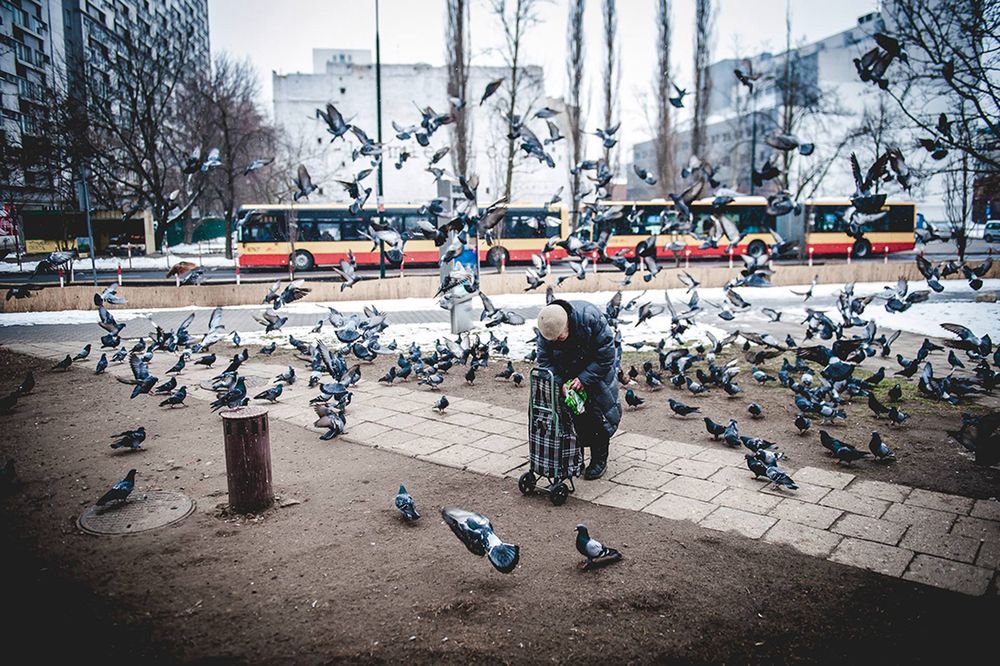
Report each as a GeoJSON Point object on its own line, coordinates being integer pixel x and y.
{"type": "Point", "coordinates": [146, 263]}
{"type": "Point", "coordinates": [957, 304]}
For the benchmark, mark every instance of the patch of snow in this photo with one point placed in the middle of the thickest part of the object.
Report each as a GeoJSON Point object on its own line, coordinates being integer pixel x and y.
{"type": "Point", "coordinates": [144, 263]}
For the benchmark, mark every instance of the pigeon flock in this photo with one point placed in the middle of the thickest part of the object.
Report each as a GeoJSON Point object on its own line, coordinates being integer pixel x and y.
{"type": "Point", "coordinates": [825, 380]}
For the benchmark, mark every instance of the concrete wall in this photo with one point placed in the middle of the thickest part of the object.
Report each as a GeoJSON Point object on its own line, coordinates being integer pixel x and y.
{"type": "Point", "coordinates": [424, 286]}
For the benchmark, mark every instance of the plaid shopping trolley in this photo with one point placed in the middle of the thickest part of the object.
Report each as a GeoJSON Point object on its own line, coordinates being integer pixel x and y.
{"type": "Point", "coordinates": [553, 453]}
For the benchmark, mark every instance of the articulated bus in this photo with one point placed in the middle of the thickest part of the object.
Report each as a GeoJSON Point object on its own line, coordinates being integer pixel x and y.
{"type": "Point", "coordinates": [819, 226]}
{"type": "Point", "coordinates": [325, 232]}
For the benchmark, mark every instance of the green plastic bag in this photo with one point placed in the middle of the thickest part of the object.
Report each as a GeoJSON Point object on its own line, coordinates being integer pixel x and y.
{"type": "Point", "coordinates": [575, 399]}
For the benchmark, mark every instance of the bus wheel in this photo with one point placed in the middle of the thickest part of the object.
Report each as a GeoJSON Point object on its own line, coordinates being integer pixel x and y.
{"type": "Point", "coordinates": [756, 248]}
{"type": "Point", "coordinates": [496, 256]}
{"type": "Point", "coordinates": [862, 249]}
{"type": "Point", "coordinates": [302, 261]}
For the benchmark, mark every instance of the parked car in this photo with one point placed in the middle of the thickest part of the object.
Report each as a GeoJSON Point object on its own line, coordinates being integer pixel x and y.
{"type": "Point", "coordinates": [991, 233]}
{"type": "Point", "coordinates": [119, 245]}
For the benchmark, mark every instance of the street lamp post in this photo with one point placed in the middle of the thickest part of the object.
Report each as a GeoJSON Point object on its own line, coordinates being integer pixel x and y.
{"type": "Point", "coordinates": [378, 121]}
{"type": "Point", "coordinates": [84, 198]}
{"type": "Point", "coordinates": [753, 138]}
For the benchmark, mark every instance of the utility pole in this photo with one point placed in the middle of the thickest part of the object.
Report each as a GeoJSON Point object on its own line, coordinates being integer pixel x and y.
{"type": "Point", "coordinates": [378, 121]}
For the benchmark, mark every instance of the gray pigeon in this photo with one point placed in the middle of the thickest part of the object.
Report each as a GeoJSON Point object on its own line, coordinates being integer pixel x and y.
{"type": "Point", "coordinates": [405, 504]}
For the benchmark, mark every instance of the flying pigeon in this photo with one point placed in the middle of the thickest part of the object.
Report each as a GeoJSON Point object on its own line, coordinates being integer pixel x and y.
{"type": "Point", "coordinates": [476, 532]}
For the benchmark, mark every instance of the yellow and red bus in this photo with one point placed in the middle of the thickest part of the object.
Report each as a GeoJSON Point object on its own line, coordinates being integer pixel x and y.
{"type": "Point", "coordinates": [325, 232]}
{"type": "Point", "coordinates": [819, 224]}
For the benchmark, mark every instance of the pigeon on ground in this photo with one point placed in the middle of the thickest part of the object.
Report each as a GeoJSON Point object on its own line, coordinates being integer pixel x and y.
{"type": "Point", "coordinates": [596, 553]}
{"type": "Point", "coordinates": [406, 505]}
{"type": "Point", "coordinates": [441, 404]}
{"type": "Point", "coordinates": [517, 378]}
{"type": "Point", "coordinates": [271, 394]}
{"type": "Point", "coordinates": [64, 364]}
{"type": "Point", "coordinates": [756, 411]}
{"type": "Point", "coordinates": [476, 532]}
{"type": "Point", "coordinates": [83, 354]}
{"type": "Point", "coordinates": [102, 364]}
{"type": "Point", "coordinates": [144, 386]}
{"type": "Point", "coordinates": [206, 361]}
{"type": "Point", "coordinates": [680, 408]}
{"type": "Point", "coordinates": [27, 385]}
{"type": "Point", "coordinates": [120, 491]}
{"type": "Point", "coordinates": [132, 439]}
{"type": "Point", "coordinates": [802, 423]}
{"type": "Point", "coordinates": [166, 387]}
{"type": "Point", "coordinates": [268, 349]}
{"type": "Point", "coordinates": [780, 478]}
{"type": "Point", "coordinates": [179, 365]}
{"type": "Point", "coordinates": [758, 468]}
{"type": "Point", "coordinates": [714, 429]}
{"type": "Point", "coordinates": [177, 398]}
{"type": "Point", "coordinates": [896, 393]}
{"type": "Point", "coordinates": [632, 400]}
{"type": "Point", "coordinates": [879, 448]}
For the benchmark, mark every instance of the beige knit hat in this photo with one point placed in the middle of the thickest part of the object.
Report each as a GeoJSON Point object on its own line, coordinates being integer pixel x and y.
{"type": "Point", "coordinates": [552, 321]}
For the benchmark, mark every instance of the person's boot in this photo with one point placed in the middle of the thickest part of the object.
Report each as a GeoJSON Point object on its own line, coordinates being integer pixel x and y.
{"type": "Point", "coordinates": [598, 464]}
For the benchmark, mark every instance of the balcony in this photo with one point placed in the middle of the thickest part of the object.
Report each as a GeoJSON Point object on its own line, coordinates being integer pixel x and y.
{"type": "Point", "coordinates": [30, 90]}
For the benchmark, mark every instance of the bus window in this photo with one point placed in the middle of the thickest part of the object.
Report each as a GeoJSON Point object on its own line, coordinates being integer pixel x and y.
{"type": "Point", "coordinates": [900, 218]}
{"type": "Point", "coordinates": [263, 228]}
{"type": "Point", "coordinates": [826, 219]}
{"type": "Point", "coordinates": [754, 220]}
{"type": "Point", "coordinates": [410, 224]}
{"type": "Point", "coordinates": [353, 228]}
{"type": "Point", "coordinates": [529, 224]}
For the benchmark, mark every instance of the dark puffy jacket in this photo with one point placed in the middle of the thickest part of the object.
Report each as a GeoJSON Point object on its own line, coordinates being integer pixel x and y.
{"type": "Point", "coordinates": [588, 353]}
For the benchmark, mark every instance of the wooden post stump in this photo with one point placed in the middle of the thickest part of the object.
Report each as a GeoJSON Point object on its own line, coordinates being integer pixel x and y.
{"type": "Point", "coordinates": [248, 458]}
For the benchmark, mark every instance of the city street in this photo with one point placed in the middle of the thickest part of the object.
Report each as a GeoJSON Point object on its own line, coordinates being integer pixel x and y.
{"type": "Point", "coordinates": [978, 250]}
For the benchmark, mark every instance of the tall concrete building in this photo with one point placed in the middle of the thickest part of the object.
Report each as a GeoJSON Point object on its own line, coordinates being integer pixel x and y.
{"type": "Point", "coordinates": [29, 35]}
{"type": "Point", "coordinates": [46, 44]}
{"type": "Point", "coordinates": [826, 78]}
{"type": "Point", "coordinates": [346, 78]}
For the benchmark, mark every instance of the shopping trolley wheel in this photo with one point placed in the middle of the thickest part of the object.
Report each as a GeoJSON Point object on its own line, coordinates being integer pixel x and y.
{"type": "Point", "coordinates": [526, 484]}
{"type": "Point", "coordinates": [559, 493]}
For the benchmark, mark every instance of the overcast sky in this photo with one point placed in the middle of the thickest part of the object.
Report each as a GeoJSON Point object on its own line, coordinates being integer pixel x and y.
{"type": "Point", "coordinates": [280, 35]}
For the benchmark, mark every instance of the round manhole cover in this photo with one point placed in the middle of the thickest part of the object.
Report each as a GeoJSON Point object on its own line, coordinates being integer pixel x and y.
{"type": "Point", "coordinates": [145, 511]}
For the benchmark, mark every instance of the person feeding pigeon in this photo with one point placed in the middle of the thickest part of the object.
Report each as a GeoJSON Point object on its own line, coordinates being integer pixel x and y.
{"type": "Point", "coordinates": [577, 345]}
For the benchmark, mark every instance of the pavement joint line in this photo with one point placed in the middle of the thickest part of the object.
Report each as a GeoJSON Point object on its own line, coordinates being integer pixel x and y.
{"type": "Point", "coordinates": [903, 512]}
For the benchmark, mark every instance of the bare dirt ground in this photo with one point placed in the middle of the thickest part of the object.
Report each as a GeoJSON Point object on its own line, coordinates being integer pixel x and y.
{"type": "Point", "coordinates": [339, 578]}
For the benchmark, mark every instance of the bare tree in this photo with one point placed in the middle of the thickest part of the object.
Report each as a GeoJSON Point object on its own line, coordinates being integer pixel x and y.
{"type": "Point", "coordinates": [457, 55]}
{"type": "Point", "coordinates": [952, 65]}
{"type": "Point", "coordinates": [574, 94]}
{"type": "Point", "coordinates": [612, 71]}
{"type": "Point", "coordinates": [223, 108]}
{"type": "Point", "coordinates": [132, 130]}
{"type": "Point", "coordinates": [664, 129]}
{"type": "Point", "coordinates": [516, 18]}
{"type": "Point", "coordinates": [703, 26]}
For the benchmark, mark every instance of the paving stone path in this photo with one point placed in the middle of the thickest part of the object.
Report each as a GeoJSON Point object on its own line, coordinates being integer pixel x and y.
{"type": "Point", "coordinates": [933, 538]}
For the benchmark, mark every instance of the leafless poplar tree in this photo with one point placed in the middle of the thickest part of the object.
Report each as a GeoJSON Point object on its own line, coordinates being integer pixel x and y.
{"type": "Point", "coordinates": [664, 129]}
{"type": "Point", "coordinates": [703, 26]}
{"type": "Point", "coordinates": [612, 71]}
{"type": "Point", "coordinates": [223, 104]}
{"type": "Point", "coordinates": [457, 59]}
{"type": "Point", "coordinates": [516, 18]}
{"type": "Point", "coordinates": [574, 94]}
